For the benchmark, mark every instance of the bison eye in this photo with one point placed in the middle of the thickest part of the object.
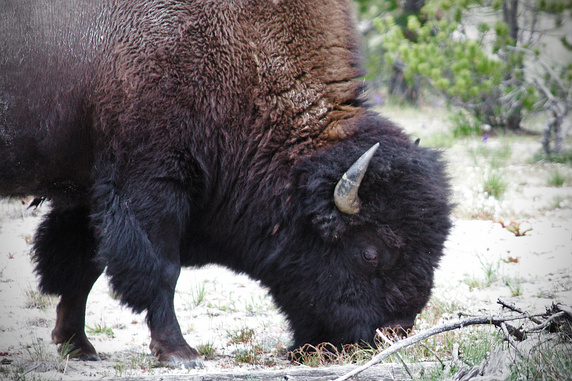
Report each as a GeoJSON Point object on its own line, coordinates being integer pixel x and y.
{"type": "Point", "coordinates": [369, 255]}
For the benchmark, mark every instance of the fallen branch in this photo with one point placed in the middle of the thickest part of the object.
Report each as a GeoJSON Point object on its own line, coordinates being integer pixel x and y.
{"type": "Point", "coordinates": [496, 321]}
{"type": "Point", "coordinates": [548, 321]}
{"type": "Point", "coordinates": [500, 322]}
{"type": "Point", "coordinates": [514, 308]}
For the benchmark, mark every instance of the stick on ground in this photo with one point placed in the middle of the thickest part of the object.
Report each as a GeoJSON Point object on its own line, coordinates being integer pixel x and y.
{"type": "Point", "coordinates": [497, 321]}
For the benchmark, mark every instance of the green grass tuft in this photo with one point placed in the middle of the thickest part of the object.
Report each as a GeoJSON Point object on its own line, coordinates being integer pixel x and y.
{"type": "Point", "coordinates": [564, 157]}
{"type": "Point", "coordinates": [100, 329]}
{"type": "Point", "coordinates": [556, 178]}
{"type": "Point", "coordinates": [495, 185]}
{"type": "Point", "coordinates": [464, 125]}
{"type": "Point", "coordinates": [39, 300]}
{"type": "Point", "coordinates": [207, 350]}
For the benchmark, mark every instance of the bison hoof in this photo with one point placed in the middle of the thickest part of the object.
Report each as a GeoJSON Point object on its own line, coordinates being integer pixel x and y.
{"type": "Point", "coordinates": [74, 346]}
{"type": "Point", "coordinates": [177, 357]}
{"type": "Point", "coordinates": [69, 351]}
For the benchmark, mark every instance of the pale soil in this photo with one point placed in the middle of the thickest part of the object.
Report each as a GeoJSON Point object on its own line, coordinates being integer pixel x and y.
{"type": "Point", "coordinates": [540, 264]}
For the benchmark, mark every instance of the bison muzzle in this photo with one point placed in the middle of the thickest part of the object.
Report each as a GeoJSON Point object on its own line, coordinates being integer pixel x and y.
{"type": "Point", "coordinates": [169, 133]}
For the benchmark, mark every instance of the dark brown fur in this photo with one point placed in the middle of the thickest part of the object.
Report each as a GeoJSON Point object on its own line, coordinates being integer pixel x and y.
{"type": "Point", "coordinates": [178, 132]}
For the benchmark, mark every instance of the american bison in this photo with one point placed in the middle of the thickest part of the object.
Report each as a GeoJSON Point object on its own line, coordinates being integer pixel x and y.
{"type": "Point", "coordinates": [169, 133]}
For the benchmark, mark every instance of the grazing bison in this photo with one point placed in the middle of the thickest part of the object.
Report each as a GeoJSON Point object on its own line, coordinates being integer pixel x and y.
{"type": "Point", "coordinates": [171, 133]}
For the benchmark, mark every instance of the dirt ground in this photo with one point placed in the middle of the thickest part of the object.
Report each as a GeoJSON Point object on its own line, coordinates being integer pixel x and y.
{"type": "Point", "coordinates": [483, 261]}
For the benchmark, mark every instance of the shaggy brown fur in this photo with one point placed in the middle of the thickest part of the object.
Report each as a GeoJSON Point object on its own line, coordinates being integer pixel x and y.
{"type": "Point", "coordinates": [179, 132]}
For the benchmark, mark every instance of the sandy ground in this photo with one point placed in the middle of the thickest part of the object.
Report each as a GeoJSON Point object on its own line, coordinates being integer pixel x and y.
{"type": "Point", "coordinates": [483, 262]}
{"type": "Point", "coordinates": [234, 302]}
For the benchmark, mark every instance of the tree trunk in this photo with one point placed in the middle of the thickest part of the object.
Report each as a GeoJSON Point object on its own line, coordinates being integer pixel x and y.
{"type": "Point", "coordinates": [398, 86]}
{"type": "Point", "coordinates": [510, 16]}
{"type": "Point", "coordinates": [553, 129]}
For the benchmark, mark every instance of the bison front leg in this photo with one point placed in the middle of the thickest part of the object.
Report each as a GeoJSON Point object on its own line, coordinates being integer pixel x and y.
{"type": "Point", "coordinates": [64, 251]}
{"type": "Point", "coordinates": [140, 225]}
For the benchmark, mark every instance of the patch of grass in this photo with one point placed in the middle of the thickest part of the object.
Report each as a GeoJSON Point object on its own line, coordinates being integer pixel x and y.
{"type": "Point", "coordinates": [557, 202]}
{"type": "Point", "coordinates": [226, 305]}
{"type": "Point", "coordinates": [100, 329]}
{"type": "Point", "coordinates": [249, 350]}
{"type": "Point", "coordinates": [491, 155]}
{"type": "Point", "coordinates": [491, 270]}
{"type": "Point", "coordinates": [514, 286]}
{"type": "Point", "coordinates": [39, 300]}
{"type": "Point", "coordinates": [464, 125]}
{"type": "Point", "coordinates": [39, 351]}
{"type": "Point", "coordinates": [251, 354]}
{"type": "Point", "coordinates": [476, 344]}
{"type": "Point", "coordinates": [495, 185]}
{"type": "Point", "coordinates": [207, 350]}
{"type": "Point", "coordinates": [198, 294]}
{"type": "Point", "coordinates": [327, 354]}
{"type": "Point", "coordinates": [556, 178]}
{"type": "Point", "coordinates": [564, 157]}
{"type": "Point", "coordinates": [473, 282]}
{"type": "Point", "coordinates": [255, 305]}
{"type": "Point", "coordinates": [220, 306]}
{"type": "Point", "coordinates": [491, 273]}
{"type": "Point", "coordinates": [243, 335]}
{"type": "Point", "coordinates": [132, 362]}
{"type": "Point", "coordinates": [471, 345]}
{"type": "Point", "coordinates": [550, 360]}
{"type": "Point", "coordinates": [499, 156]}
{"type": "Point", "coordinates": [546, 294]}
{"type": "Point", "coordinates": [67, 351]}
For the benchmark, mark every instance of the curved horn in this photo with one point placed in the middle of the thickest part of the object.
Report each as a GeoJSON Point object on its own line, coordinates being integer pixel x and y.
{"type": "Point", "coordinates": [346, 192]}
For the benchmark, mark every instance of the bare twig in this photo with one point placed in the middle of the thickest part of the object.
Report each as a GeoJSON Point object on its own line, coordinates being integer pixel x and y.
{"type": "Point", "coordinates": [428, 333]}
{"type": "Point", "coordinates": [548, 321]}
{"type": "Point", "coordinates": [437, 356]}
{"type": "Point", "coordinates": [508, 337]}
{"type": "Point", "coordinates": [29, 370]}
{"type": "Point", "coordinates": [548, 69]}
{"type": "Point", "coordinates": [397, 354]}
{"type": "Point", "coordinates": [514, 308]}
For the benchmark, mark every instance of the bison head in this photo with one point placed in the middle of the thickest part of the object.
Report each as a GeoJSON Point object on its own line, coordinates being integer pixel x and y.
{"type": "Point", "coordinates": [362, 256]}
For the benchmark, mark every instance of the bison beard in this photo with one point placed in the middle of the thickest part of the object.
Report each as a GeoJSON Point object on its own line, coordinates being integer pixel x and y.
{"type": "Point", "coordinates": [180, 133]}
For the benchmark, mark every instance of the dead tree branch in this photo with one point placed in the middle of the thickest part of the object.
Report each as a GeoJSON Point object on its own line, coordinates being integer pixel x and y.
{"type": "Point", "coordinates": [558, 311]}
{"type": "Point", "coordinates": [514, 308]}
{"type": "Point", "coordinates": [496, 321]}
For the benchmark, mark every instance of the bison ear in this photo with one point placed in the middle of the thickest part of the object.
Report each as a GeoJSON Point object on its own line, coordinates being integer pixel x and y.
{"type": "Point", "coordinates": [346, 191]}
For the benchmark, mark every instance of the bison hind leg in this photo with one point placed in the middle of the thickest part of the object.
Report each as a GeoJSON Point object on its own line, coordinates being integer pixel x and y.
{"type": "Point", "coordinates": [64, 251]}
